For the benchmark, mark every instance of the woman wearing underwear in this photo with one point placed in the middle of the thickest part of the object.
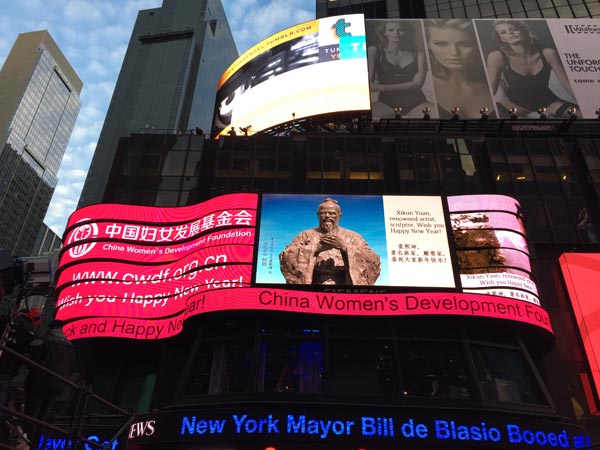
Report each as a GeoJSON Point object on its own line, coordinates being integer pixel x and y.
{"type": "Point", "coordinates": [522, 67]}
{"type": "Point", "coordinates": [397, 71]}
{"type": "Point", "coordinates": [458, 73]}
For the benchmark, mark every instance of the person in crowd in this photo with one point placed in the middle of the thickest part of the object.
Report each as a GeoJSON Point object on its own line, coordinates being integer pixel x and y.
{"type": "Point", "coordinates": [397, 71]}
{"type": "Point", "coordinates": [329, 254]}
{"type": "Point", "coordinates": [57, 354]}
{"type": "Point", "coordinates": [522, 68]}
{"type": "Point", "coordinates": [18, 335]}
{"type": "Point", "coordinates": [458, 72]}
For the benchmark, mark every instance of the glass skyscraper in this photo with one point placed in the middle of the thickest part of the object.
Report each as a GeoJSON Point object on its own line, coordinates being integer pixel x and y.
{"type": "Point", "coordinates": [168, 80]}
{"type": "Point", "coordinates": [39, 95]}
{"type": "Point", "coordinates": [379, 9]}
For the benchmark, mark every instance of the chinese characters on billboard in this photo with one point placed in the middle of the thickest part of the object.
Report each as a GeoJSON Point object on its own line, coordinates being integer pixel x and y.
{"type": "Point", "coordinates": [140, 272]}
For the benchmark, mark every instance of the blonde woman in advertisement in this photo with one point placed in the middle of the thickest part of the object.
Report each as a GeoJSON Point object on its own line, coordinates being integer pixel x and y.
{"type": "Point", "coordinates": [522, 67]}
{"type": "Point", "coordinates": [458, 74]}
{"type": "Point", "coordinates": [397, 70]}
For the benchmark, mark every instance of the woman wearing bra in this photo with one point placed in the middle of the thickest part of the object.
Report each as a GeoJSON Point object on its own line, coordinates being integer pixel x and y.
{"type": "Point", "coordinates": [522, 68]}
{"type": "Point", "coordinates": [458, 73]}
{"type": "Point", "coordinates": [397, 71]}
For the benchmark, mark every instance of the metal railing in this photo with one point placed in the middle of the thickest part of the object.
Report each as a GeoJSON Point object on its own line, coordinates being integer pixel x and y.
{"type": "Point", "coordinates": [75, 419]}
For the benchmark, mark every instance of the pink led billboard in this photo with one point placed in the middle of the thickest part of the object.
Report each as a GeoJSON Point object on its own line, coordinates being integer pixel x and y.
{"type": "Point", "coordinates": [580, 272]}
{"type": "Point", "coordinates": [140, 272]}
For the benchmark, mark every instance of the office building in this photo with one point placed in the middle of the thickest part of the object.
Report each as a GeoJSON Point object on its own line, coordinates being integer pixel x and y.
{"type": "Point", "coordinates": [379, 9]}
{"type": "Point", "coordinates": [168, 79]}
{"type": "Point", "coordinates": [47, 242]}
{"type": "Point", "coordinates": [39, 98]}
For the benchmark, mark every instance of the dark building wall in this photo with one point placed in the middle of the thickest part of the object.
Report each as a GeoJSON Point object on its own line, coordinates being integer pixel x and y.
{"type": "Point", "coordinates": [156, 170]}
{"type": "Point", "coordinates": [549, 176]}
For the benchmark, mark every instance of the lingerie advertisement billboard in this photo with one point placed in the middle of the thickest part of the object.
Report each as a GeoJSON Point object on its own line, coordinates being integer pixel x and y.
{"type": "Point", "coordinates": [470, 64]}
{"type": "Point", "coordinates": [580, 273]}
{"type": "Point", "coordinates": [313, 68]}
{"type": "Point", "coordinates": [140, 272]}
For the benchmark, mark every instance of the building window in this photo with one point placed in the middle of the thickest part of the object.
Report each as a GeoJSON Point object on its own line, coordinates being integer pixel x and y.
{"type": "Point", "coordinates": [290, 366]}
{"type": "Point", "coordinates": [372, 365]}
{"type": "Point", "coordinates": [504, 375]}
{"type": "Point", "coordinates": [346, 357]}
{"type": "Point", "coordinates": [433, 369]}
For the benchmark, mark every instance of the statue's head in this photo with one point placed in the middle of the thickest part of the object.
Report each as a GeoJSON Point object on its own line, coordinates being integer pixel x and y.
{"type": "Point", "coordinates": [329, 214]}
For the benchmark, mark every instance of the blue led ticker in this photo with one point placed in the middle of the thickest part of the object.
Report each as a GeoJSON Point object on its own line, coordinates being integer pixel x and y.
{"type": "Point", "coordinates": [393, 428]}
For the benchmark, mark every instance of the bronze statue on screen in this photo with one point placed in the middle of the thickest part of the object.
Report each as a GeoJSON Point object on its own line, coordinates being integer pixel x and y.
{"type": "Point", "coordinates": [329, 254]}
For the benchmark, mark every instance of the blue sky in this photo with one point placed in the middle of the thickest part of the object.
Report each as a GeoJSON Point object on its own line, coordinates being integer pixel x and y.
{"type": "Point", "coordinates": [93, 35]}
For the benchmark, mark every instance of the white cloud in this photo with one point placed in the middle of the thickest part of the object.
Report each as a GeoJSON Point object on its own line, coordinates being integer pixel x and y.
{"type": "Point", "coordinates": [102, 88]}
{"type": "Point", "coordinates": [273, 16]}
{"type": "Point", "coordinates": [82, 133]}
{"type": "Point", "coordinates": [89, 11]}
{"type": "Point", "coordinates": [74, 175]}
{"type": "Point", "coordinates": [92, 111]}
{"type": "Point", "coordinates": [118, 54]}
{"type": "Point", "coordinates": [98, 68]}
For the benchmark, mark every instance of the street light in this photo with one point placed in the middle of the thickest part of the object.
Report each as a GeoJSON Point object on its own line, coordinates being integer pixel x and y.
{"type": "Point", "coordinates": [542, 113]}
{"type": "Point", "coordinates": [427, 110]}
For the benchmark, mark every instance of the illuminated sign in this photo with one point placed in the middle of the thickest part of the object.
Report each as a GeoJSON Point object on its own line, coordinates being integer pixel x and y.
{"type": "Point", "coordinates": [409, 67]}
{"type": "Point", "coordinates": [580, 272]}
{"type": "Point", "coordinates": [144, 271]}
{"type": "Point", "coordinates": [313, 68]}
{"type": "Point", "coordinates": [363, 429]}
{"type": "Point", "coordinates": [54, 443]}
{"type": "Point", "coordinates": [411, 236]}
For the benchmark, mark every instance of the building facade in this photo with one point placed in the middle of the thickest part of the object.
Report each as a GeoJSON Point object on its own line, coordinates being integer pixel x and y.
{"type": "Point", "coordinates": [168, 79]}
{"type": "Point", "coordinates": [435, 316]}
{"type": "Point", "coordinates": [380, 9]}
{"type": "Point", "coordinates": [39, 94]}
{"type": "Point", "coordinates": [288, 368]}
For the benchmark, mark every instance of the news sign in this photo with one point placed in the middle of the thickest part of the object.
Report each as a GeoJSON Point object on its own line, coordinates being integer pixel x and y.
{"type": "Point", "coordinates": [313, 68]}
{"type": "Point", "coordinates": [503, 64]}
{"type": "Point", "coordinates": [140, 272]}
{"type": "Point", "coordinates": [362, 427]}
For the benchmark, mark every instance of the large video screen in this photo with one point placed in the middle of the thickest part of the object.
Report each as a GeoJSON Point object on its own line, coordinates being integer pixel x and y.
{"type": "Point", "coordinates": [499, 65]}
{"type": "Point", "coordinates": [140, 272]}
{"type": "Point", "coordinates": [313, 68]}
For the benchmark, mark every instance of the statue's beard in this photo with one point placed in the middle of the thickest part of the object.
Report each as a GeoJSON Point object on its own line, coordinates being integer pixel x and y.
{"type": "Point", "coordinates": [328, 226]}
